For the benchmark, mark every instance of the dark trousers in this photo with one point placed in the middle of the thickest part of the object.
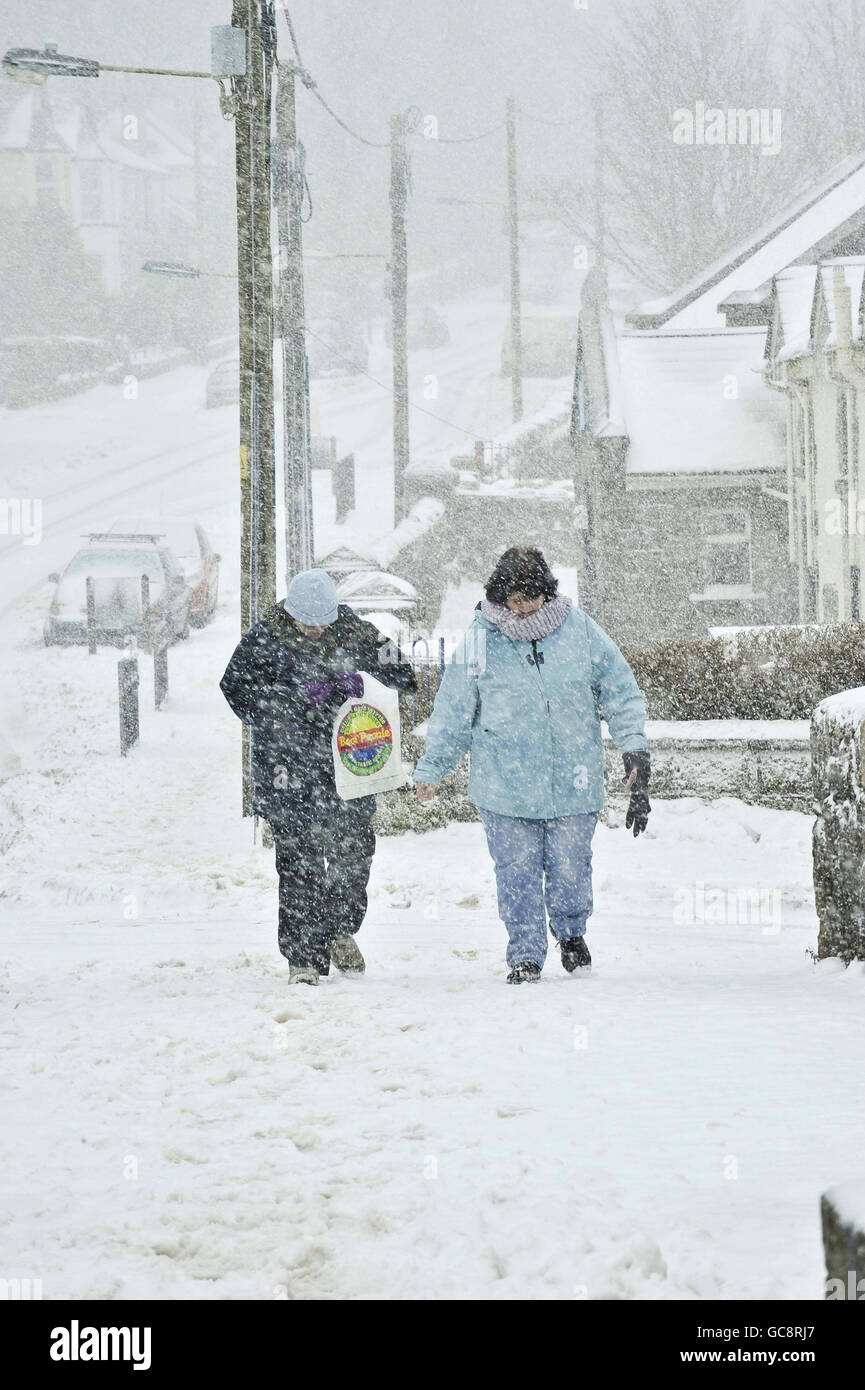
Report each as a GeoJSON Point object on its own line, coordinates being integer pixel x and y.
{"type": "Point", "coordinates": [323, 858]}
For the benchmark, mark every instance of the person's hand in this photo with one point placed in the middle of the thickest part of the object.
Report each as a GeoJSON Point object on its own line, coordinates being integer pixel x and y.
{"type": "Point", "coordinates": [425, 791]}
{"type": "Point", "coordinates": [638, 770]}
{"type": "Point", "coordinates": [317, 693]}
{"type": "Point", "coordinates": [351, 683]}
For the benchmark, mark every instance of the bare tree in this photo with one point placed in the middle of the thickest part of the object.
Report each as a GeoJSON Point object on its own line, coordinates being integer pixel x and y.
{"type": "Point", "coordinates": [671, 207]}
{"type": "Point", "coordinates": [827, 38]}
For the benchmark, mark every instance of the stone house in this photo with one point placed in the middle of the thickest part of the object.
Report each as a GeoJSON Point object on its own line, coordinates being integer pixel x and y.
{"type": "Point", "coordinates": [681, 435]}
{"type": "Point", "coordinates": [815, 357]}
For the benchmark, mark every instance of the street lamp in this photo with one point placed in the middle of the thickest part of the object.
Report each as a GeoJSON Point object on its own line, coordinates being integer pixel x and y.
{"type": "Point", "coordinates": [34, 65]}
{"type": "Point", "coordinates": [25, 64]}
{"type": "Point", "coordinates": [228, 52]}
{"type": "Point", "coordinates": [180, 270]}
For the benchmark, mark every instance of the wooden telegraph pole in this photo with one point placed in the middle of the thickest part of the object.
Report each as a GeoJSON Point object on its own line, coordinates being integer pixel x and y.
{"type": "Point", "coordinates": [288, 172]}
{"type": "Point", "coordinates": [514, 245]}
{"type": "Point", "coordinates": [255, 324]}
{"type": "Point", "coordinates": [399, 310]}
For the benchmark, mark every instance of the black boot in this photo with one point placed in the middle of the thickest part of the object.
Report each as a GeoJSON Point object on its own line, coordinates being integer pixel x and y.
{"type": "Point", "coordinates": [524, 970]}
{"type": "Point", "coordinates": [576, 954]}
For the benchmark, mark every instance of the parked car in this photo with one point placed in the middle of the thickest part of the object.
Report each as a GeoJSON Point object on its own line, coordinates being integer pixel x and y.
{"type": "Point", "coordinates": [426, 329]}
{"type": "Point", "coordinates": [223, 383]}
{"type": "Point", "coordinates": [196, 559]}
{"type": "Point", "coordinates": [116, 562]}
{"type": "Point", "coordinates": [549, 343]}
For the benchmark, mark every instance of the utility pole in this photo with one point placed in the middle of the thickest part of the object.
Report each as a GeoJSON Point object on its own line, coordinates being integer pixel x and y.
{"type": "Point", "coordinates": [255, 324]}
{"type": "Point", "coordinates": [399, 310]}
{"type": "Point", "coordinates": [595, 304]}
{"type": "Point", "coordinates": [197, 179]}
{"type": "Point", "coordinates": [514, 244]}
{"type": "Point", "coordinates": [600, 227]}
{"type": "Point", "coordinates": [288, 176]}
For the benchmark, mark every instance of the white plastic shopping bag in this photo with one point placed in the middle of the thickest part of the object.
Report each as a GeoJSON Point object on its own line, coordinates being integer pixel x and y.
{"type": "Point", "coordinates": [367, 756]}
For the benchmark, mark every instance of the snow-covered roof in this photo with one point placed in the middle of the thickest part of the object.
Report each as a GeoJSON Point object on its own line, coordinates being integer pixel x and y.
{"type": "Point", "coordinates": [29, 125]}
{"type": "Point", "coordinates": [697, 403]}
{"type": "Point", "coordinates": [802, 226]}
{"type": "Point", "coordinates": [805, 305]}
{"type": "Point", "coordinates": [794, 298]}
{"type": "Point", "coordinates": [375, 589]}
{"type": "Point", "coordinates": [423, 515]}
{"type": "Point", "coordinates": [852, 268]}
{"type": "Point", "coordinates": [33, 123]}
{"type": "Point", "coordinates": [343, 560]}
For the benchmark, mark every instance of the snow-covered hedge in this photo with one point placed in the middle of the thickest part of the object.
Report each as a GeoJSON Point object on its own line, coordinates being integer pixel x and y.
{"type": "Point", "coordinates": [838, 774]}
{"type": "Point", "coordinates": [768, 673]}
{"type": "Point", "coordinates": [843, 1212]}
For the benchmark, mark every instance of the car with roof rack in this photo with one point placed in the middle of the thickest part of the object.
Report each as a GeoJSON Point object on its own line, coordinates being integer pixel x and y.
{"type": "Point", "coordinates": [116, 561]}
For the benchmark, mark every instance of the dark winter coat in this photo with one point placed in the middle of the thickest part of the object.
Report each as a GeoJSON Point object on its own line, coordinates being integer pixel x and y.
{"type": "Point", "coordinates": [292, 762]}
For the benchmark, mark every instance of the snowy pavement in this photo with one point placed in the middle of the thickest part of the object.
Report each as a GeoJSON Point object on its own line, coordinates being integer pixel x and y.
{"type": "Point", "coordinates": [180, 1124]}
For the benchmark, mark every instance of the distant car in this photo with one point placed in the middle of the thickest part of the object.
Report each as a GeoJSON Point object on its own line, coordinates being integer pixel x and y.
{"type": "Point", "coordinates": [336, 347]}
{"type": "Point", "coordinates": [426, 329]}
{"type": "Point", "coordinates": [116, 562]}
{"type": "Point", "coordinates": [223, 383]}
{"type": "Point", "coordinates": [549, 345]}
{"type": "Point", "coordinates": [196, 559]}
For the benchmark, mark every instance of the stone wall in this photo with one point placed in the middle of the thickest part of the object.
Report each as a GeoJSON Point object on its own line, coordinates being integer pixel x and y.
{"type": "Point", "coordinates": [838, 774]}
{"type": "Point", "coordinates": [651, 557]}
{"type": "Point", "coordinates": [764, 772]}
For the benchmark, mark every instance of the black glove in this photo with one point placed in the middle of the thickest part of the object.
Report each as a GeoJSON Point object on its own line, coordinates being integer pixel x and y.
{"type": "Point", "coordinates": [639, 808]}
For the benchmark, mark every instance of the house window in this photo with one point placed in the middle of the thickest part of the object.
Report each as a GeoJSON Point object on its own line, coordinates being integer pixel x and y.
{"type": "Point", "coordinates": [90, 177]}
{"type": "Point", "coordinates": [830, 603]}
{"type": "Point", "coordinates": [855, 605]}
{"type": "Point", "coordinates": [728, 548]}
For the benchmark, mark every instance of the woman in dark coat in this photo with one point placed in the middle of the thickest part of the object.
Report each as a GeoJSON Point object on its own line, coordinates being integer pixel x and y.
{"type": "Point", "coordinates": [286, 679]}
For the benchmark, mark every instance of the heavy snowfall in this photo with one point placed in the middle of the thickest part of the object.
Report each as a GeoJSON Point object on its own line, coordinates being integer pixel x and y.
{"type": "Point", "coordinates": [181, 1121]}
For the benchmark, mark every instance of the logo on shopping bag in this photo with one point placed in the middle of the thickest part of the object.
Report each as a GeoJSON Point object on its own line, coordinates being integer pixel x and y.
{"type": "Point", "coordinates": [364, 740]}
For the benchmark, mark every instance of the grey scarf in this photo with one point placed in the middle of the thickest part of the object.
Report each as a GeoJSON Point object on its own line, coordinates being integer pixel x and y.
{"type": "Point", "coordinates": [537, 625]}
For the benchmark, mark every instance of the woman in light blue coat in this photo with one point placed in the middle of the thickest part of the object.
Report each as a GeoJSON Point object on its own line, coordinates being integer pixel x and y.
{"type": "Point", "coordinates": [525, 694]}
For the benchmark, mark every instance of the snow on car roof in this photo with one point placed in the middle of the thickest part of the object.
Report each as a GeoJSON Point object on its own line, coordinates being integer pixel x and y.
{"type": "Point", "coordinates": [698, 403]}
{"type": "Point", "coordinates": [178, 533]}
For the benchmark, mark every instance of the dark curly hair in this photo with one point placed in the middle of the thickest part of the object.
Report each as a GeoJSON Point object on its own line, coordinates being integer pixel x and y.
{"type": "Point", "coordinates": [521, 570]}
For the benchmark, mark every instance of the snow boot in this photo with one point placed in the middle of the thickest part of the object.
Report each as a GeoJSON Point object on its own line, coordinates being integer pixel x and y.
{"type": "Point", "coordinates": [346, 956]}
{"type": "Point", "coordinates": [576, 955]}
{"type": "Point", "coordinates": [302, 975]}
{"type": "Point", "coordinates": [524, 970]}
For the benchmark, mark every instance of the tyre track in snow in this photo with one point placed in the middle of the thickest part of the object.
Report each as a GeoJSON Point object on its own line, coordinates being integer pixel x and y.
{"type": "Point", "coordinates": [14, 548]}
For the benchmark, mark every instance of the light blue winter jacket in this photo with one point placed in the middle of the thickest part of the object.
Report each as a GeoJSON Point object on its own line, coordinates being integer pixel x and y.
{"type": "Point", "coordinates": [534, 731]}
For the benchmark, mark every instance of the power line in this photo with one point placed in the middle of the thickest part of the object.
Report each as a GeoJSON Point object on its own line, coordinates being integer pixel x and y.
{"type": "Point", "coordinates": [466, 139]}
{"type": "Point", "coordinates": [472, 434]}
{"type": "Point", "coordinates": [309, 82]}
{"type": "Point", "coordinates": [545, 120]}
